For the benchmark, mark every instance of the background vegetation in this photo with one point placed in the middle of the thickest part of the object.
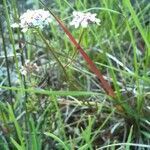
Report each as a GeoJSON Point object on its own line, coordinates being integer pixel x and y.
{"type": "Point", "coordinates": [63, 106]}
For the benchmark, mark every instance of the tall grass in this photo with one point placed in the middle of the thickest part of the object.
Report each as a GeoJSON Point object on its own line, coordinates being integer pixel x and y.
{"type": "Point", "coordinates": [65, 105]}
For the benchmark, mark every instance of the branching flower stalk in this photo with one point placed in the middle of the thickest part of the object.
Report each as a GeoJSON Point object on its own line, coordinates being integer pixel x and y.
{"type": "Point", "coordinates": [105, 85]}
{"type": "Point", "coordinates": [52, 52]}
{"type": "Point", "coordinates": [92, 66]}
{"type": "Point", "coordinates": [36, 20]}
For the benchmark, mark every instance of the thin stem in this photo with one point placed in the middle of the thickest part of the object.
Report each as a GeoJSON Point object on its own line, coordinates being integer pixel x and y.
{"type": "Point", "coordinates": [76, 52]}
{"type": "Point", "coordinates": [11, 37]}
{"type": "Point", "coordinates": [6, 60]}
{"type": "Point", "coordinates": [105, 85]}
{"type": "Point", "coordinates": [53, 53]}
{"type": "Point", "coordinates": [14, 5]}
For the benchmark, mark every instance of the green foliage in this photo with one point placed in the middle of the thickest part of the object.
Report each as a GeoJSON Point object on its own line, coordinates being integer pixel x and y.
{"type": "Point", "coordinates": [62, 106]}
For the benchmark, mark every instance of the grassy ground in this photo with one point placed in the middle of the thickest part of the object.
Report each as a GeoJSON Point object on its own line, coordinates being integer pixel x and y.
{"type": "Point", "coordinates": [64, 105]}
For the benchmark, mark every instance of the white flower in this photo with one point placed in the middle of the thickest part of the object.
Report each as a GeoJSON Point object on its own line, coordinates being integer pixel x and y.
{"type": "Point", "coordinates": [33, 19]}
{"type": "Point", "coordinates": [29, 68]}
{"type": "Point", "coordinates": [23, 71]}
{"type": "Point", "coordinates": [15, 25]}
{"type": "Point", "coordinates": [84, 19]}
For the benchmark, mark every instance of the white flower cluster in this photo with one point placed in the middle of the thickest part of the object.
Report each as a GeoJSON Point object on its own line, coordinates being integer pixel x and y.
{"type": "Point", "coordinates": [84, 19]}
{"type": "Point", "coordinates": [29, 68]}
{"type": "Point", "coordinates": [33, 19]}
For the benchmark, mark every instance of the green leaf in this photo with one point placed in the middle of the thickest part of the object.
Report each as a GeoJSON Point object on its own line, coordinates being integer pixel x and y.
{"type": "Point", "coordinates": [57, 139]}
{"type": "Point", "coordinates": [19, 147]}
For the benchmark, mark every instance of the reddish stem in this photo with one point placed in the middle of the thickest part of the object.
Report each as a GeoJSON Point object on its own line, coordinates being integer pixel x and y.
{"type": "Point", "coordinates": [105, 85]}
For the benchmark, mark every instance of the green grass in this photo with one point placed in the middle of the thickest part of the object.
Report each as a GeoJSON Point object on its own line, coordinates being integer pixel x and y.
{"type": "Point", "coordinates": [63, 105]}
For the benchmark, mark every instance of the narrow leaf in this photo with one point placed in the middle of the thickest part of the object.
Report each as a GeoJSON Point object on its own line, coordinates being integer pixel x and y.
{"type": "Point", "coordinates": [105, 85]}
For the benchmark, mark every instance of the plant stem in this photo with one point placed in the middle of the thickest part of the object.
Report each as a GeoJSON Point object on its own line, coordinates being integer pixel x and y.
{"type": "Point", "coordinates": [11, 37]}
{"type": "Point", "coordinates": [53, 53]}
{"type": "Point", "coordinates": [6, 60]}
{"type": "Point", "coordinates": [76, 52]}
{"type": "Point", "coordinates": [105, 85]}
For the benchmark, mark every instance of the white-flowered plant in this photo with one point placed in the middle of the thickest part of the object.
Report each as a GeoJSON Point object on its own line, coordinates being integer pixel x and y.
{"type": "Point", "coordinates": [83, 19]}
{"type": "Point", "coordinates": [29, 68]}
{"type": "Point", "coordinates": [33, 19]}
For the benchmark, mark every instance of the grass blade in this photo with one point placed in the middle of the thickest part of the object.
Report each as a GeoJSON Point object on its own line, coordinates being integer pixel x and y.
{"type": "Point", "coordinates": [57, 139]}
{"type": "Point", "coordinates": [105, 85]}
